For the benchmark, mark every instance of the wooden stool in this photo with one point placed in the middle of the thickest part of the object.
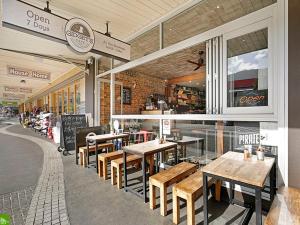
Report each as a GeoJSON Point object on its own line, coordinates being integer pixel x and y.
{"type": "Point", "coordinates": [189, 189]}
{"type": "Point", "coordinates": [103, 160]}
{"type": "Point", "coordinates": [116, 168]}
{"type": "Point", "coordinates": [166, 178]}
{"type": "Point", "coordinates": [83, 154]}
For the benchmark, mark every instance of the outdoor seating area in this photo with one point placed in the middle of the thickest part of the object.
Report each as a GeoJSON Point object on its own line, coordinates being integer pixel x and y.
{"type": "Point", "coordinates": [147, 161]}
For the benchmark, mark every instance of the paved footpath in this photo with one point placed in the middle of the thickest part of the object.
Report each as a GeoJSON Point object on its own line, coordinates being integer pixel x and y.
{"type": "Point", "coordinates": [48, 204]}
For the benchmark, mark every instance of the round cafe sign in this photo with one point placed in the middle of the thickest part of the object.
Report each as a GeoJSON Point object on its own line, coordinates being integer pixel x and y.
{"type": "Point", "coordinates": [79, 35]}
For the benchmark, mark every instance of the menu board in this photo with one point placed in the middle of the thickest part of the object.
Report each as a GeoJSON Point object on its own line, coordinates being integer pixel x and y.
{"type": "Point", "coordinates": [69, 124]}
{"type": "Point", "coordinates": [127, 96]}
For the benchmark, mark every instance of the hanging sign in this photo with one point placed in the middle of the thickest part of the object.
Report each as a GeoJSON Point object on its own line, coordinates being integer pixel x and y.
{"type": "Point", "coordinates": [167, 127]}
{"type": "Point", "coordinates": [13, 96]}
{"type": "Point", "coordinates": [76, 32]}
{"type": "Point", "coordinates": [17, 89]}
{"type": "Point", "coordinates": [9, 104]}
{"type": "Point", "coordinates": [28, 73]}
{"type": "Point", "coordinates": [79, 35]}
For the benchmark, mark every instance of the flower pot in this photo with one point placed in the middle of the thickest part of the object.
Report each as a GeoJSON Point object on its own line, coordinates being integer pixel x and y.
{"type": "Point", "coordinates": [260, 155]}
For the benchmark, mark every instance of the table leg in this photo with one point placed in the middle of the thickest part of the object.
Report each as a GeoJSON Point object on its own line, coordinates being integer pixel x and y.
{"type": "Point", "coordinates": [125, 170]}
{"type": "Point", "coordinates": [205, 199]}
{"type": "Point", "coordinates": [87, 155]}
{"type": "Point", "coordinates": [231, 192]}
{"type": "Point", "coordinates": [144, 169]}
{"type": "Point", "coordinates": [258, 206]}
{"type": "Point", "coordinates": [156, 163]}
{"type": "Point", "coordinates": [273, 182]}
{"type": "Point", "coordinates": [176, 158]}
{"type": "Point", "coordinates": [96, 152]}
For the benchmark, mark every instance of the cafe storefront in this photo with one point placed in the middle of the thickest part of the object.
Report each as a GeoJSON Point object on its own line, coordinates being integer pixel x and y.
{"type": "Point", "coordinates": [221, 80]}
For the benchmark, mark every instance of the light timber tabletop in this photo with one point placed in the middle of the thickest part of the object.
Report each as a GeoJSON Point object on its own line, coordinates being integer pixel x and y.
{"type": "Point", "coordinates": [106, 137]}
{"type": "Point", "coordinates": [148, 148]}
{"type": "Point", "coordinates": [232, 166]}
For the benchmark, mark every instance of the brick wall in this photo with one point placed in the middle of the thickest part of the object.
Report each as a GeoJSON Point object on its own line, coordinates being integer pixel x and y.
{"type": "Point", "coordinates": [141, 86]}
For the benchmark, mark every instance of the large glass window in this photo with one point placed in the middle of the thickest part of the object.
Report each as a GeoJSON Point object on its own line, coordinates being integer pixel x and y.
{"type": "Point", "coordinates": [207, 15]}
{"type": "Point", "coordinates": [247, 70]}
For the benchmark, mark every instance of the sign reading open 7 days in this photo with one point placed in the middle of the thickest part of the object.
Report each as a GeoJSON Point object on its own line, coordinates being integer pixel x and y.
{"type": "Point", "coordinates": [74, 32]}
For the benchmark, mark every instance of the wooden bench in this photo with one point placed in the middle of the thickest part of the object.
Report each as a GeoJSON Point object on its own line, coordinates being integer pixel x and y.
{"type": "Point", "coordinates": [117, 166]}
{"type": "Point", "coordinates": [189, 189]}
{"type": "Point", "coordinates": [83, 154]}
{"type": "Point", "coordinates": [103, 160]}
{"type": "Point", "coordinates": [166, 178]}
{"type": "Point", "coordinates": [285, 208]}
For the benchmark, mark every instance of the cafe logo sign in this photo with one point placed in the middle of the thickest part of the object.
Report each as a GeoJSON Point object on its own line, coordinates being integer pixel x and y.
{"type": "Point", "coordinates": [28, 73]}
{"type": "Point", "coordinates": [79, 35]}
{"type": "Point", "coordinates": [249, 139]}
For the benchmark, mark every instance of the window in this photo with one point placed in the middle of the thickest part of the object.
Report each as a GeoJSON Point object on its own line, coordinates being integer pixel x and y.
{"type": "Point", "coordinates": [248, 76]}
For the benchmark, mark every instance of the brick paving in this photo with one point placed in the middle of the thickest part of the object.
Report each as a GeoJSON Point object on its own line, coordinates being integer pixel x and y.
{"type": "Point", "coordinates": [48, 205]}
{"type": "Point", "coordinates": [16, 204]}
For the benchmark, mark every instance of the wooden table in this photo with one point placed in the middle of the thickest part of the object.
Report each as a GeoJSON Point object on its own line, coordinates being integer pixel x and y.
{"type": "Point", "coordinates": [285, 208]}
{"type": "Point", "coordinates": [250, 173]}
{"type": "Point", "coordinates": [188, 140]}
{"type": "Point", "coordinates": [102, 138]}
{"type": "Point", "coordinates": [144, 150]}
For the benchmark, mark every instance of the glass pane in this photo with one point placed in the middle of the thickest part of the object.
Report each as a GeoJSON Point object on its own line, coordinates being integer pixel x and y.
{"type": "Point", "coordinates": [174, 84]}
{"type": "Point", "coordinates": [207, 15]}
{"type": "Point", "coordinates": [247, 70]}
{"type": "Point", "coordinates": [71, 99]}
{"type": "Point", "coordinates": [145, 44]}
{"type": "Point", "coordinates": [66, 101]}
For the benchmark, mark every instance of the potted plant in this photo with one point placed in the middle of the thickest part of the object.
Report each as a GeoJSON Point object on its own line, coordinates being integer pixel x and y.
{"type": "Point", "coordinates": [260, 153]}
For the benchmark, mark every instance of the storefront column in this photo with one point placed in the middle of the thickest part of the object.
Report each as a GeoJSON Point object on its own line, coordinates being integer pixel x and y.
{"type": "Point", "coordinates": [293, 93]}
{"type": "Point", "coordinates": [90, 86]}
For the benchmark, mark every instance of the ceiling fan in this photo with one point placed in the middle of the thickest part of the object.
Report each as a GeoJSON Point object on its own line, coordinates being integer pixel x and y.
{"type": "Point", "coordinates": [200, 62]}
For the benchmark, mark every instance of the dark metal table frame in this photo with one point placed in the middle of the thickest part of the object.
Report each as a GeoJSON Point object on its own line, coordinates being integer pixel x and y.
{"type": "Point", "coordinates": [184, 144]}
{"type": "Point", "coordinates": [97, 141]}
{"type": "Point", "coordinates": [258, 194]}
{"type": "Point", "coordinates": [144, 171]}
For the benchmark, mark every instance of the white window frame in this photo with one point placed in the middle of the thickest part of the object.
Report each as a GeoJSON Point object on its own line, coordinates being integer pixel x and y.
{"type": "Point", "coordinates": [267, 23]}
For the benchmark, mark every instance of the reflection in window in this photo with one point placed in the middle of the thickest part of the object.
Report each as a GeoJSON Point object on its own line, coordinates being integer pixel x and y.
{"type": "Point", "coordinates": [247, 69]}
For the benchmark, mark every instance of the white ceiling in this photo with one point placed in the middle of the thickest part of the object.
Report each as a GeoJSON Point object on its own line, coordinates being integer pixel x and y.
{"type": "Point", "coordinates": [24, 61]}
{"type": "Point", "coordinates": [126, 16]}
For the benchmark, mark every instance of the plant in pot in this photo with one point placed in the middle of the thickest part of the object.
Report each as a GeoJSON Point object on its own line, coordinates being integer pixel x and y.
{"type": "Point", "coordinates": [260, 152]}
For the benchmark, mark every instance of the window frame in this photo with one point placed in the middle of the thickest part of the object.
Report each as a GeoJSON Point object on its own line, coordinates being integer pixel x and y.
{"type": "Point", "coordinates": [267, 23]}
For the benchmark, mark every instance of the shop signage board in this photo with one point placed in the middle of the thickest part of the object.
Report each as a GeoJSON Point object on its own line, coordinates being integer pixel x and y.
{"type": "Point", "coordinates": [75, 32]}
{"type": "Point", "coordinates": [17, 89]}
{"type": "Point", "coordinates": [166, 127]}
{"type": "Point", "coordinates": [13, 96]}
{"type": "Point", "coordinates": [69, 124]}
{"type": "Point", "coordinates": [9, 104]}
{"type": "Point", "coordinates": [28, 73]}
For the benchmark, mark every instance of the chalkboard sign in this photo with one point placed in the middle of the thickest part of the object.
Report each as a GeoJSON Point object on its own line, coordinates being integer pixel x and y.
{"type": "Point", "coordinates": [127, 96]}
{"type": "Point", "coordinates": [69, 124]}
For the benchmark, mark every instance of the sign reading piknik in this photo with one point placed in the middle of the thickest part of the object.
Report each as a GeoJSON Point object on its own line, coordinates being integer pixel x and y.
{"type": "Point", "coordinates": [17, 89]}
{"type": "Point", "coordinates": [75, 32]}
{"type": "Point", "coordinates": [28, 73]}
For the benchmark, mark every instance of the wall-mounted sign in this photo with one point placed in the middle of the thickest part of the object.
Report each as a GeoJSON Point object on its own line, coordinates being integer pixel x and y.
{"type": "Point", "coordinates": [17, 89]}
{"type": "Point", "coordinates": [80, 35]}
{"type": "Point", "coordinates": [13, 96]}
{"type": "Point", "coordinates": [167, 127]}
{"type": "Point", "coordinates": [249, 139]}
{"type": "Point", "coordinates": [27, 18]}
{"type": "Point", "coordinates": [127, 96]}
{"type": "Point", "coordinates": [9, 104]}
{"type": "Point", "coordinates": [28, 73]}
